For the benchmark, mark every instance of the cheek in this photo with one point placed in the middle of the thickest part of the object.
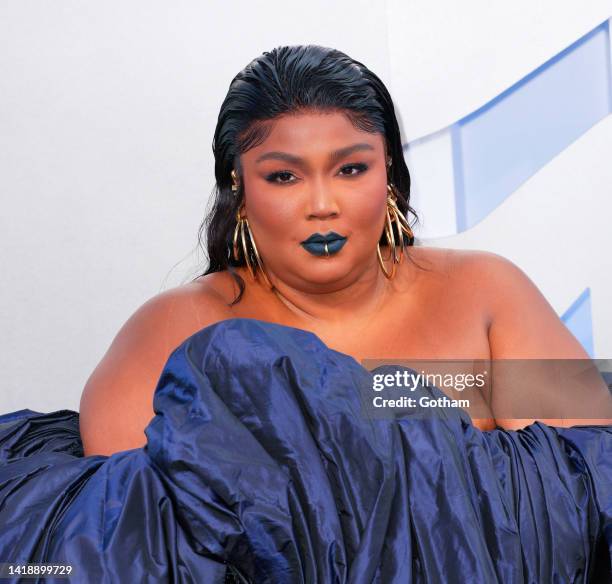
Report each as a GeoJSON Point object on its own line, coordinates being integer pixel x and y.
{"type": "Point", "coordinates": [367, 209]}
{"type": "Point", "coordinates": [273, 214]}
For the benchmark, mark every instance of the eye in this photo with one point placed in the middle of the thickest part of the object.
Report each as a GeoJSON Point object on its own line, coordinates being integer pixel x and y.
{"type": "Point", "coordinates": [283, 175]}
{"type": "Point", "coordinates": [358, 167]}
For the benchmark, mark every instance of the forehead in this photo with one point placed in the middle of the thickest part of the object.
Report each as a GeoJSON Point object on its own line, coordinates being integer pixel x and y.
{"type": "Point", "coordinates": [314, 132]}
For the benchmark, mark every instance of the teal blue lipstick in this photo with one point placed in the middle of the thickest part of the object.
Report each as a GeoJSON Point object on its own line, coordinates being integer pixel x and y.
{"type": "Point", "coordinates": [324, 245]}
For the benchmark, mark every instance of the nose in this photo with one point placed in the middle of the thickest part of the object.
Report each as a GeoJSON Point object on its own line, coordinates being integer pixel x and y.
{"type": "Point", "coordinates": [322, 203]}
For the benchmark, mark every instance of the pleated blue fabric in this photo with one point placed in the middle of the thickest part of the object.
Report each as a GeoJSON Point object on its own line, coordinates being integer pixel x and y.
{"type": "Point", "coordinates": [260, 467]}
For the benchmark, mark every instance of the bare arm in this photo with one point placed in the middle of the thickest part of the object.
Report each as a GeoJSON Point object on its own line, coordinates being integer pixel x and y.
{"type": "Point", "coordinates": [524, 326]}
{"type": "Point", "coordinates": [117, 401]}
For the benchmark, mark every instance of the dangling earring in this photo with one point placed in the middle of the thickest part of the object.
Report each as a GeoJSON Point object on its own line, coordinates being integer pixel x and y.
{"type": "Point", "coordinates": [242, 226]}
{"type": "Point", "coordinates": [393, 217]}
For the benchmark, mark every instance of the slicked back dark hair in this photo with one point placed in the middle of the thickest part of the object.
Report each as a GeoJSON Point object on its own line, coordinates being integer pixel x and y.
{"type": "Point", "coordinates": [290, 80]}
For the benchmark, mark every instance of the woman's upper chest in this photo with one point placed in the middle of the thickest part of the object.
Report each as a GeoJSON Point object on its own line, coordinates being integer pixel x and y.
{"type": "Point", "coordinates": [443, 325]}
{"type": "Point", "coordinates": [432, 314]}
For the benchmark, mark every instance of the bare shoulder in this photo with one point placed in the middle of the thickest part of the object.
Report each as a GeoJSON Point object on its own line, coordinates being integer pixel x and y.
{"type": "Point", "coordinates": [523, 324]}
{"type": "Point", "coordinates": [444, 260]}
{"type": "Point", "coordinates": [491, 278]}
{"type": "Point", "coordinates": [485, 263]}
{"type": "Point", "coordinates": [455, 267]}
{"type": "Point", "coordinates": [168, 318]}
{"type": "Point", "coordinates": [463, 261]}
{"type": "Point", "coordinates": [117, 401]}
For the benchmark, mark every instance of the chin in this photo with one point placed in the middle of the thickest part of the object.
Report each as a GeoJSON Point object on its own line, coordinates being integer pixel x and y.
{"type": "Point", "coordinates": [325, 272]}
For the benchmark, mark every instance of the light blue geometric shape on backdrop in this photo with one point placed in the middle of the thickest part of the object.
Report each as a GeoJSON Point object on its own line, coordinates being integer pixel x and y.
{"type": "Point", "coordinates": [577, 318]}
{"type": "Point", "coordinates": [499, 146]}
{"type": "Point", "coordinates": [503, 143]}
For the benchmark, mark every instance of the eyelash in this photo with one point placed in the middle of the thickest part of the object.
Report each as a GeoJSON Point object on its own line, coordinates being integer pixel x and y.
{"type": "Point", "coordinates": [359, 165]}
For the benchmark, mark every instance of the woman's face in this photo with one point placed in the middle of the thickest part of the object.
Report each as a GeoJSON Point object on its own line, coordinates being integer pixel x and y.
{"type": "Point", "coordinates": [314, 174]}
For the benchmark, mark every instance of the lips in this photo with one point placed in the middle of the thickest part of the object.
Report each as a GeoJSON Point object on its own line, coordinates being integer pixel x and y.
{"type": "Point", "coordinates": [324, 245]}
{"type": "Point", "coordinates": [328, 238]}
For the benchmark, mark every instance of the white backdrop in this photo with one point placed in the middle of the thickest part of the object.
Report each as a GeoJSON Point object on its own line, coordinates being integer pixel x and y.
{"type": "Point", "coordinates": [107, 112]}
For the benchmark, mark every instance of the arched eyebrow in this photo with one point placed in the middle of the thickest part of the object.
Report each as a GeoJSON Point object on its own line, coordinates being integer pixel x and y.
{"type": "Point", "coordinates": [333, 157]}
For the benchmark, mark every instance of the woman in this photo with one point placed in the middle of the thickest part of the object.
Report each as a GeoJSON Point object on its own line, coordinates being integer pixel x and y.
{"type": "Point", "coordinates": [231, 408]}
{"type": "Point", "coordinates": [307, 146]}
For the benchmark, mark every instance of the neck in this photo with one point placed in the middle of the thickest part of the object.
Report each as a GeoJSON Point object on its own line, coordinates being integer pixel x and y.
{"type": "Point", "coordinates": [355, 300]}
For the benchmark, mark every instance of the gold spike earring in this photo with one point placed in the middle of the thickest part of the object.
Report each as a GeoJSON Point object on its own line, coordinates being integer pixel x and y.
{"type": "Point", "coordinates": [244, 231]}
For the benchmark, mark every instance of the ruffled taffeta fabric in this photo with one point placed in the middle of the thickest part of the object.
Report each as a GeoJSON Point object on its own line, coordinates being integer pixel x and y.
{"type": "Point", "coordinates": [260, 467]}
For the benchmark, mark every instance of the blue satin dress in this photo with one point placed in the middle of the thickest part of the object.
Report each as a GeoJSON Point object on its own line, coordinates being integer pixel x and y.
{"type": "Point", "coordinates": [260, 468]}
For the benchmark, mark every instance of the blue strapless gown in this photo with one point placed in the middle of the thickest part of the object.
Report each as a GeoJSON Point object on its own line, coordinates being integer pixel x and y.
{"type": "Point", "coordinates": [260, 468]}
